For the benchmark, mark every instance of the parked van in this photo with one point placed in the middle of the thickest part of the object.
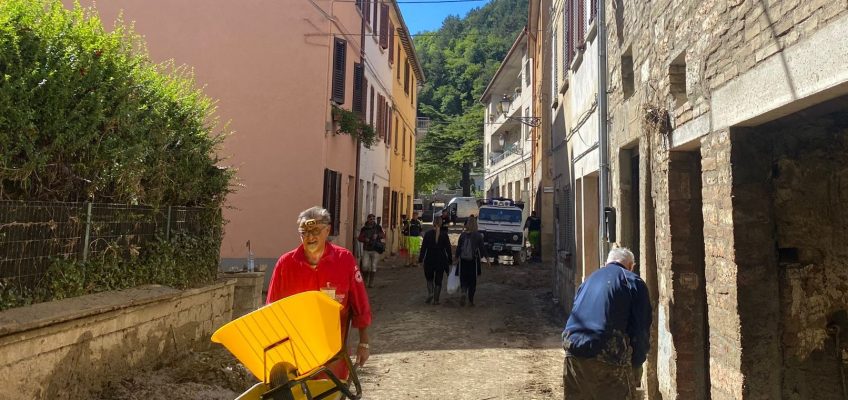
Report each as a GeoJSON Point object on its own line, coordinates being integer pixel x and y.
{"type": "Point", "coordinates": [462, 207]}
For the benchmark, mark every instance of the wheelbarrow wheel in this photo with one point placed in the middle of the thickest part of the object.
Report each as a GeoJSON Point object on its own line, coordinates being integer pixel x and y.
{"type": "Point", "coordinates": [279, 376]}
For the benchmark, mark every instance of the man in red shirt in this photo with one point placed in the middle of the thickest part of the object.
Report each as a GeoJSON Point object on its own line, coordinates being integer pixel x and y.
{"type": "Point", "coordinates": [319, 265]}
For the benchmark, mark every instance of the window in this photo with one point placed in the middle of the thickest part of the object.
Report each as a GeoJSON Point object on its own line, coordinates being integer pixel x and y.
{"type": "Point", "coordinates": [398, 66]}
{"type": "Point", "coordinates": [358, 82]}
{"type": "Point", "coordinates": [397, 125]}
{"type": "Point", "coordinates": [384, 26]}
{"type": "Point", "coordinates": [627, 79]}
{"type": "Point", "coordinates": [339, 67]}
{"type": "Point", "coordinates": [527, 73]}
{"type": "Point", "coordinates": [404, 143]}
{"type": "Point", "coordinates": [677, 79]}
{"type": "Point", "coordinates": [333, 198]}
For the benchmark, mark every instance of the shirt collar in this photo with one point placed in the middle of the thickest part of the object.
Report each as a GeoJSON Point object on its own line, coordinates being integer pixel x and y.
{"type": "Point", "coordinates": [618, 264]}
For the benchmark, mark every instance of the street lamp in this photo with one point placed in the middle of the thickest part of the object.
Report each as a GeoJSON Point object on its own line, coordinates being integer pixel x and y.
{"type": "Point", "coordinates": [502, 138]}
{"type": "Point", "coordinates": [506, 102]}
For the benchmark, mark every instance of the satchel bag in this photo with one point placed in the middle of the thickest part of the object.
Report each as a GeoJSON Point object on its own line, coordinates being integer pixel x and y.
{"type": "Point", "coordinates": [379, 247]}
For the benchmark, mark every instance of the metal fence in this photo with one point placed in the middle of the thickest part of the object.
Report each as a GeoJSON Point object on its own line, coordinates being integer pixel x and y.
{"type": "Point", "coordinates": [34, 233]}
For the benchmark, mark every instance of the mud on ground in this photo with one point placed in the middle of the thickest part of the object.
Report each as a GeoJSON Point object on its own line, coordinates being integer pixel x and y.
{"type": "Point", "coordinates": [506, 347]}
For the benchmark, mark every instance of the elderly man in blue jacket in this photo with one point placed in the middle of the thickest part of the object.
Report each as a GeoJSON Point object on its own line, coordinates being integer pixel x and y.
{"type": "Point", "coordinates": [607, 336]}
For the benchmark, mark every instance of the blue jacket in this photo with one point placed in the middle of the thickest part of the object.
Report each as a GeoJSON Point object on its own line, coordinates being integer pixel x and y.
{"type": "Point", "coordinates": [611, 318]}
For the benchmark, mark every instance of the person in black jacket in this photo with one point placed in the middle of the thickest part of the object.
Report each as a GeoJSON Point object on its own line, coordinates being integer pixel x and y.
{"type": "Point", "coordinates": [436, 256]}
{"type": "Point", "coordinates": [469, 252]}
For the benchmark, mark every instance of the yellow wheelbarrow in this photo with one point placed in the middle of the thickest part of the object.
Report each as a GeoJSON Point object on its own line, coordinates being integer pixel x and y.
{"type": "Point", "coordinates": [290, 345]}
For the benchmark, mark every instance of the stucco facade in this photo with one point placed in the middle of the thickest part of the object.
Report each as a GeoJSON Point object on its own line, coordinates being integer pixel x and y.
{"type": "Point", "coordinates": [271, 67]}
{"type": "Point", "coordinates": [406, 76]}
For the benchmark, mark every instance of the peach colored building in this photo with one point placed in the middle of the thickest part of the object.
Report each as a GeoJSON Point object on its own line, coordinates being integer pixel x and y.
{"type": "Point", "coordinates": [276, 68]}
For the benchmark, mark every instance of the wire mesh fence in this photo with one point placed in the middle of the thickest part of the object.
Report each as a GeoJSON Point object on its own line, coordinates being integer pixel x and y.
{"type": "Point", "coordinates": [33, 234]}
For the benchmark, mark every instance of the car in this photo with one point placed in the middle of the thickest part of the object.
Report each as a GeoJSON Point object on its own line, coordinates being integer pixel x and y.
{"type": "Point", "coordinates": [503, 233]}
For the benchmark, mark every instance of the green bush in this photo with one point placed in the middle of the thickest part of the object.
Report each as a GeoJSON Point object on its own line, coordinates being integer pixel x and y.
{"type": "Point", "coordinates": [85, 116]}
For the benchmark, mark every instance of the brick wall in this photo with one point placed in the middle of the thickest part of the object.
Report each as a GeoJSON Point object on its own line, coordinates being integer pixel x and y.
{"type": "Point", "coordinates": [720, 268]}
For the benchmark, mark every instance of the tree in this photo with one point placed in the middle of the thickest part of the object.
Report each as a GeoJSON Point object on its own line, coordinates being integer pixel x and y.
{"type": "Point", "coordinates": [459, 60]}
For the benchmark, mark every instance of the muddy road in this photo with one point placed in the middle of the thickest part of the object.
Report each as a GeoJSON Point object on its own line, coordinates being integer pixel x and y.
{"type": "Point", "coordinates": [506, 347]}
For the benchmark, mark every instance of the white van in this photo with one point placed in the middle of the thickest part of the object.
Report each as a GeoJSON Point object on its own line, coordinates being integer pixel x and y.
{"type": "Point", "coordinates": [462, 207]}
{"type": "Point", "coordinates": [418, 207]}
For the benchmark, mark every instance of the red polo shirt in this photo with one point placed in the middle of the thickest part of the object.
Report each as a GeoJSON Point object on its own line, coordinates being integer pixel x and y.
{"type": "Point", "coordinates": [293, 275]}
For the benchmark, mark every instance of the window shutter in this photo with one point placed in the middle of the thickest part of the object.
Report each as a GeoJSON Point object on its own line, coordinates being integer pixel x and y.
{"type": "Point", "coordinates": [384, 25]}
{"type": "Point", "coordinates": [397, 139]}
{"type": "Point", "coordinates": [388, 124]}
{"type": "Point", "coordinates": [371, 107]}
{"type": "Point", "coordinates": [403, 152]}
{"type": "Point", "coordinates": [392, 43]}
{"type": "Point", "coordinates": [386, 194]}
{"type": "Point", "coordinates": [339, 66]}
{"type": "Point", "coordinates": [581, 22]}
{"type": "Point", "coordinates": [380, 119]}
{"type": "Point", "coordinates": [593, 10]}
{"type": "Point", "coordinates": [406, 76]}
{"type": "Point", "coordinates": [358, 80]}
{"type": "Point", "coordinates": [337, 207]}
{"type": "Point", "coordinates": [367, 11]}
{"type": "Point", "coordinates": [376, 16]}
{"type": "Point", "coordinates": [567, 39]}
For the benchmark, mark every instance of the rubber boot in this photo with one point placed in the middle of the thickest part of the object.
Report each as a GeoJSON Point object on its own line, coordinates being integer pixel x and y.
{"type": "Point", "coordinates": [371, 278]}
{"type": "Point", "coordinates": [429, 292]}
{"type": "Point", "coordinates": [462, 299]}
{"type": "Point", "coordinates": [436, 295]}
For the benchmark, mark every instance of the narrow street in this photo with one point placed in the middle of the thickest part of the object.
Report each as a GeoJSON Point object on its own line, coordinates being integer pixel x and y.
{"type": "Point", "coordinates": [506, 347]}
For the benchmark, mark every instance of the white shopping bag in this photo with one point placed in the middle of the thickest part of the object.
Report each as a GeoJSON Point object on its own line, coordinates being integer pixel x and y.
{"type": "Point", "coordinates": [453, 280]}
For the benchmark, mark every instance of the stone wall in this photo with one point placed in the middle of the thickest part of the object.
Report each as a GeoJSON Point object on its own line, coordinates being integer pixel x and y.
{"type": "Point", "coordinates": [810, 178]}
{"type": "Point", "coordinates": [68, 348]}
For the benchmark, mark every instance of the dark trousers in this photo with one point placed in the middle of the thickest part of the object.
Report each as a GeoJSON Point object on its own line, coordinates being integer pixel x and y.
{"type": "Point", "coordinates": [590, 379]}
{"type": "Point", "coordinates": [435, 272]}
{"type": "Point", "coordinates": [468, 277]}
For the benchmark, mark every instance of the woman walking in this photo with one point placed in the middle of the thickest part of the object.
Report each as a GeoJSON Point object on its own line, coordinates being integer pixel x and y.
{"type": "Point", "coordinates": [436, 256]}
{"type": "Point", "coordinates": [469, 251]}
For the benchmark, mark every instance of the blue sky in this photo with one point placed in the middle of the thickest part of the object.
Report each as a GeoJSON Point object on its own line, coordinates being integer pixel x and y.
{"type": "Point", "coordinates": [429, 16]}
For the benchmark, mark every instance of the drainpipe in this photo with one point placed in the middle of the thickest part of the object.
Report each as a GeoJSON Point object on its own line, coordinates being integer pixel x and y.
{"type": "Point", "coordinates": [356, 214]}
{"type": "Point", "coordinates": [603, 134]}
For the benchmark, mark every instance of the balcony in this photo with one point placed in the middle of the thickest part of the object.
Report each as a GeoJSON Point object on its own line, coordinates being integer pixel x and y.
{"type": "Point", "coordinates": [509, 149]}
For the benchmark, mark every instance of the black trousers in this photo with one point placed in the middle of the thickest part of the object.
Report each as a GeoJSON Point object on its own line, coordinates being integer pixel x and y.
{"type": "Point", "coordinates": [435, 273]}
{"type": "Point", "coordinates": [468, 277]}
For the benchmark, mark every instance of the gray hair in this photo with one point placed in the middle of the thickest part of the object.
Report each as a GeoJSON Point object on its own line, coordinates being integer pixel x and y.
{"type": "Point", "coordinates": [320, 215]}
{"type": "Point", "coordinates": [622, 255]}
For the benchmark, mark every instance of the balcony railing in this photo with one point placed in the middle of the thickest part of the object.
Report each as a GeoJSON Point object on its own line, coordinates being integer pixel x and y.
{"type": "Point", "coordinates": [509, 149]}
{"type": "Point", "coordinates": [422, 126]}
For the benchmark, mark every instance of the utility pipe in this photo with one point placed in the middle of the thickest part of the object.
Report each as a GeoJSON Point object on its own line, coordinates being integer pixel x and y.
{"type": "Point", "coordinates": [603, 134]}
